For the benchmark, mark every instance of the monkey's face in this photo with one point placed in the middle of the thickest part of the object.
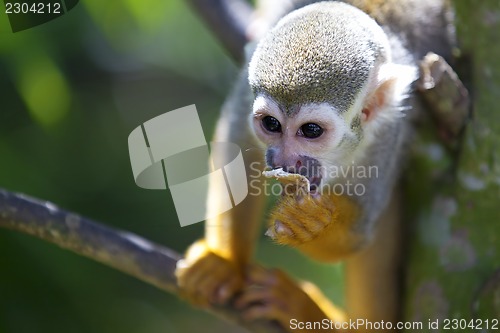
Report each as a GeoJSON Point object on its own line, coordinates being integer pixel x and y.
{"type": "Point", "coordinates": [309, 141]}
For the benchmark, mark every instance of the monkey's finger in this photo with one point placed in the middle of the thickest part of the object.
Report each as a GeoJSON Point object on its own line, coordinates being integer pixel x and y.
{"type": "Point", "coordinates": [190, 274]}
{"type": "Point", "coordinates": [289, 230]}
{"type": "Point", "coordinates": [286, 226]}
{"type": "Point", "coordinates": [254, 295]}
{"type": "Point", "coordinates": [219, 284]}
{"type": "Point", "coordinates": [226, 290]}
{"type": "Point", "coordinates": [269, 277]}
{"type": "Point", "coordinates": [301, 222]}
{"type": "Point", "coordinates": [189, 279]}
{"type": "Point", "coordinates": [201, 280]}
{"type": "Point", "coordinates": [295, 222]}
{"type": "Point", "coordinates": [267, 311]}
{"type": "Point", "coordinates": [208, 287]}
{"type": "Point", "coordinates": [262, 276]}
{"type": "Point", "coordinates": [280, 286]}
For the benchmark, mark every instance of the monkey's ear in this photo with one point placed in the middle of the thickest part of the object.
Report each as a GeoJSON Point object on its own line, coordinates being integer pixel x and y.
{"type": "Point", "coordinates": [378, 100]}
{"type": "Point", "coordinates": [390, 89]}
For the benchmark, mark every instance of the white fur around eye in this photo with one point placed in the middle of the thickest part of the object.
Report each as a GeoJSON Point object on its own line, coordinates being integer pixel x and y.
{"type": "Point", "coordinates": [265, 105]}
{"type": "Point", "coordinates": [327, 117]}
{"type": "Point", "coordinates": [259, 104]}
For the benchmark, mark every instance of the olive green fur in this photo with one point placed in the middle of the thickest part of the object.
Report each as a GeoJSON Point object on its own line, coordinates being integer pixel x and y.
{"type": "Point", "coordinates": [323, 52]}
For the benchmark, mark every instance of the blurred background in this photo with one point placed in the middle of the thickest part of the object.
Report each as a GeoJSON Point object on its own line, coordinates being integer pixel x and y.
{"type": "Point", "coordinates": [71, 91]}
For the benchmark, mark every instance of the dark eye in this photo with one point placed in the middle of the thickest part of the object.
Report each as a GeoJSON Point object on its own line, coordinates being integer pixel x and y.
{"type": "Point", "coordinates": [311, 130]}
{"type": "Point", "coordinates": [271, 124]}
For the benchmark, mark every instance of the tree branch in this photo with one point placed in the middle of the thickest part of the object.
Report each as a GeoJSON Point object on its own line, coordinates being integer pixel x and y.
{"type": "Point", "coordinates": [229, 21]}
{"type": "Point", "coordinates": [119, 249]}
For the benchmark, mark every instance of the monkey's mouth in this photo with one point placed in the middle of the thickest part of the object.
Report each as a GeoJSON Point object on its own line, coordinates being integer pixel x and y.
{"type": "Point", "coordinates": [295, 184]}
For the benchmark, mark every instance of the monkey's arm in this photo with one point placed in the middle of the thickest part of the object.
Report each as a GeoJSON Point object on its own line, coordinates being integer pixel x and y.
{"type": "Point", "coordinates": [372, 275]}
{"type": "Point", "coordinates": [213, 268]}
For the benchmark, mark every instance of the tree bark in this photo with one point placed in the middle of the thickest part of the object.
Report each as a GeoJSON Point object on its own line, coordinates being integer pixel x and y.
{"type": "Point", "coordinates": [453, 262]}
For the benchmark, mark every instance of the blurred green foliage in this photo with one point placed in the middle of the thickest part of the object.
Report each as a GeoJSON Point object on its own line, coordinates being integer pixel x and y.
{"type": "Point", "coordinates": [71, 91]}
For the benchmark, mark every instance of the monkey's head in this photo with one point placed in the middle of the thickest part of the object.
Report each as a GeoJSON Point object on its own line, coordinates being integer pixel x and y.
{"type": "Point", "coordinates": [324, 86]}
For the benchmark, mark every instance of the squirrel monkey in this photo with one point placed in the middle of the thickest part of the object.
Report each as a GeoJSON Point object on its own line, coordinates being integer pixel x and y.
{"type": "Point", "coordinates": [327, 93]}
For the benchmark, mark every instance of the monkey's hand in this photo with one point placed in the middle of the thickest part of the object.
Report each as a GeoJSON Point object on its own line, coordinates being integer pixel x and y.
{"type": "Point", "coordinates": [321, 226]}
{"type": "Point", "coordinates": [206, 278]}
{"type": "Point", "coordinates": [273, 295]}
